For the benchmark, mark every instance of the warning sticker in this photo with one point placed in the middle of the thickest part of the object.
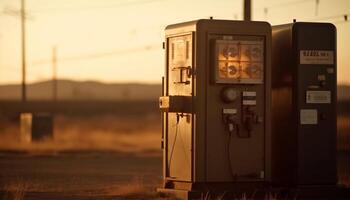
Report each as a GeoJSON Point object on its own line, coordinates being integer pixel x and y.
{"type": "Point", "coordinates": [308, 116]}
{"type": "Point", "coordinates": [318, 96]}
{"type": "Point", "coordinates": [316, 57]}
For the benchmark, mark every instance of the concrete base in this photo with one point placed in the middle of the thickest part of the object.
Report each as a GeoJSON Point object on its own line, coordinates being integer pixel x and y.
{"type": "Point", "coordinates": [300, 193]}
{"type": "Point", "coordinates": [312, 192]}
{"type": "Point", "coordinates": [179, 194]}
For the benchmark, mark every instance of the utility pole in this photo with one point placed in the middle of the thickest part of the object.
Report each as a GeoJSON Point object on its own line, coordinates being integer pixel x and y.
{"type": "Point", "coordinates": [247, 10]}
{"type": "Point", "coordinates": [54, 73]}
{"type": "Point", "coordinates": [23, 30]}
{"type": "Point", "coordinates": [316, 8]}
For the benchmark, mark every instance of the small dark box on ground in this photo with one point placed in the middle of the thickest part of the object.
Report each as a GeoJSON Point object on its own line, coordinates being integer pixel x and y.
{"type": "Point", "coordinates": [36, 126]}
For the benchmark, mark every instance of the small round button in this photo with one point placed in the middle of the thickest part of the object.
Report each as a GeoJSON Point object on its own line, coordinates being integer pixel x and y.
{"type": "Point", "coordinates": [228, 94]}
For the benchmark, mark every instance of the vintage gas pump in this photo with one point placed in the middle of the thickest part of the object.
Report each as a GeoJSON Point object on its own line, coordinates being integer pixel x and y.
{"type": "Point", "coordinates": [215, 103]}
{"type": "Point", "coordinates": [304, 101]}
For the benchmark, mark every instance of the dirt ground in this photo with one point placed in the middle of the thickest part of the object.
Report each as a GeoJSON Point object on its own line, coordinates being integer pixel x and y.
{"type": "Point", "coordinates": [96, 157]}
{"type": "Point", "coordinates": [81, 173]}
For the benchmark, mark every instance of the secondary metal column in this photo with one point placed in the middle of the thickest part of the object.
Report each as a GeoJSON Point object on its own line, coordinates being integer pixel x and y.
{"type": "Point", "coordinates": [247, 10]}
{"type": "Point", "coordinates": [23, 27]}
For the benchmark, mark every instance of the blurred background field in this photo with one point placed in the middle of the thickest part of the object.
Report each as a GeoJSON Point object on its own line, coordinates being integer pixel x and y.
{"type": "Point", "coordinates": [102, 62]}
{"type": "Point", "coordinates": [104, 132]}
{"type": "Point", "coordinates": [101, 147]}
{"type": "Point", "coordinates": [103, 154]}
{"type": "Point", "coordinates": [90, 155]}
{"type": "Point", "coordinates": [343, 125]}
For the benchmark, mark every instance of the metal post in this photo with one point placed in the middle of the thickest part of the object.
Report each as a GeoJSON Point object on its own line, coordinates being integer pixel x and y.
{"type": "Point", "coordinates": [23, 27]}
{"type": "Point", "coordinates": [247, 10]}
{"type": "Point", "coordinates": [54, 74]}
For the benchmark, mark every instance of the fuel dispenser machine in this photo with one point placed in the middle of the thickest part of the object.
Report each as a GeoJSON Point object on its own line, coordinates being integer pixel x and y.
{"type": "Point", "coordinates": [215, 103]}
{"type": "Point", "coordinates": [304, 98]}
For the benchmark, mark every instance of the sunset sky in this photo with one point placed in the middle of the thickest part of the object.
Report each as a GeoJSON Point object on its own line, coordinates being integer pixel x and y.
{"type": "Point", "coordinates": [121, 40]}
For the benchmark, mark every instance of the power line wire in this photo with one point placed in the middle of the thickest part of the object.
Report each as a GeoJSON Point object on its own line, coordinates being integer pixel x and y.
{"type": "Point", "coordinates": [8, 11]}
{"type": "Point", "coordinates": [14, 12]}
{"type": "Point", "coordinates": [266, 9]}
{"type": "Point", "coordinates": [284, 4]}
{"type": "Point", "coordinates": [344, 16]}
{"type": "Point", "coordinates": [99, 55]}
{"type": "Point", "coordinates": [86, 8]}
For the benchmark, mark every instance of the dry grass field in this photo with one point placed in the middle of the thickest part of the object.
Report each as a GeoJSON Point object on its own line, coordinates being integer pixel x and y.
{"type": "Point", "coordinates": [100, 157]}
{"type": "Point", "coordinates": [343, 125]}
{"type": "Point", "coordinates": [131, 134]}
{"type": "Point", "coordinates": [343, 144]}
{"type": "Point", "coordinates": [89, 155]}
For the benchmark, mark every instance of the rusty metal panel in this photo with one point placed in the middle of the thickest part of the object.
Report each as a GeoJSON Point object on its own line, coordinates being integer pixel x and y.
{"type": "Point", "coordinates": [196, 142]}
{"type": "Point", "coordinates": [180, 65]}
{"type": "Point", "coordinates": [240, 156]}
{"type": "Point", "coordinates": [244, 159]}
{"type": "Point", "coordinates": [179, 125]}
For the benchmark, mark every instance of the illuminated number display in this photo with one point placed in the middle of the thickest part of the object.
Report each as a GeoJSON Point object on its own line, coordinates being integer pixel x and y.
{"type": "Point", "coordinates": [239, 61]}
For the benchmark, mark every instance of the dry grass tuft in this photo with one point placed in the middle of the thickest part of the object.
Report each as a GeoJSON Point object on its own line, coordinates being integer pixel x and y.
{"type": "Point", "coordinates": [345, 180]}
{"type": "Point", "coordinates": [15, 190]}
{"type": "Point", "coordinates": [225, 196]}
{"type": "Point", "coordinates": [343, 124]}
{"type": "Point", "coordinates": [133, 188]}
{"type": "Point", "coordinates": [136, 189]}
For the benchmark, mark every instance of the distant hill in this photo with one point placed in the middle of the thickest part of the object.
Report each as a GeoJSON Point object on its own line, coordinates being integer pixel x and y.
{"type": "Point", "coordinates": [88, 90]}
{"type": "Point", "coordinates": [91, 90]}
